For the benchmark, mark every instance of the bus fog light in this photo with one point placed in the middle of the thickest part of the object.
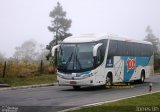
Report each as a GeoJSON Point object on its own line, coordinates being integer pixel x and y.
{"type": "Point", "coordinates": [91, 81]}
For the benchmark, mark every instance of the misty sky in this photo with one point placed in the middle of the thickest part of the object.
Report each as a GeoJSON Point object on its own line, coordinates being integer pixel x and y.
{"type": "Point", "coordinates": [22, 20]}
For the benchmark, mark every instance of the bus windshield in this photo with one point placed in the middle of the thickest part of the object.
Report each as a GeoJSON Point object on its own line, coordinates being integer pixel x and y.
{"type": "Point", "coordinates": [75, 57]}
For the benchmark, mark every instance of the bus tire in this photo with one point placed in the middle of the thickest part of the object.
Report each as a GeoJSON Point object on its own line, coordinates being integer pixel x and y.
{"type": "Point", "coordinates": [142, 76]}
{"type": "Point", "coordinates": [109, 79]}
{"type": "Point", "coordinates": [76, 87]}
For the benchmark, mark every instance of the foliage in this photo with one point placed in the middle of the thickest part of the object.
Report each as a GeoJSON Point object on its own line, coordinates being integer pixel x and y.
{"type": "Point", "coordinates": [153, 39]}
{"type": "Point", "coordinates": [60, 26]}
{"type": "Point", "coordinates": [22, 69]}
{"type": "Point", "coordinates": [30, 51]}
{"type": "Point", "coordinates": [18, 74]}
{"type": "Point", "coordinates": [29, 80]}
{"type": "Point", "coordinates": [1, 68]}
{"type": "Point", "coordinates": [2, 58]}
{"type": "Point", "coordinates": [157, 62]}
{"type": "Point", "coordinates": [26, 51]}
{"type": "Point", "coordinates": [27, 61]}
{"type": "Point", "coordinates": [156, 46]}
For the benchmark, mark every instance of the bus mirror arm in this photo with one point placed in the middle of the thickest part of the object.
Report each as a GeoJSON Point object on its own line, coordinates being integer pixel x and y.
{"type": "Point", "coordinates": [95, 48]}
{"type": "Point", "coordinates": [54, 49]}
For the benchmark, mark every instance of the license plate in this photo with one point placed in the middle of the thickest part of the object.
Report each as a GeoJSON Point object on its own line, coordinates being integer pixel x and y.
{"type": "Point", "coordinates": [73, 82]}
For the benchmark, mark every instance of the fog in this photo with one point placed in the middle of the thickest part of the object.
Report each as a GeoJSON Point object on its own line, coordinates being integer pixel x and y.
{"type": "Point", "coordinates": [22, 20]}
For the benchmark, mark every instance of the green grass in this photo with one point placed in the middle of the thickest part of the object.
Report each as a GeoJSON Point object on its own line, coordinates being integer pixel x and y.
{"type": "Point", "coordinates": [157, 71]}
{"type": "Point", "coordinates": [127, 105]}
{"type": "Point", "coordinates": [28, 80]}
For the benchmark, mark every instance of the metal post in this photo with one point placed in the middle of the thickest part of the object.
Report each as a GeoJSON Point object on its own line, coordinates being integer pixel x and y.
{"type": "Point", "coordinates": [4, 70]}
{"type": "Point", "coordinates": [150, 87]}
{"type": "Point", "coordinates": [41, 67]}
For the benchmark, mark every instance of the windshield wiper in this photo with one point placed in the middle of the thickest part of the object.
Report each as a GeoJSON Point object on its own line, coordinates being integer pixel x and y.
{"type": "Point", "coordinates": [76, 60]}
{"type": "Point", "coordinates": [69, 59]}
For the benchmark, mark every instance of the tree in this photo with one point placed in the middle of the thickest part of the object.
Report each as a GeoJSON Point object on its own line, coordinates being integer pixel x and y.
{"type": "Point", "coordinates": [2, 57]}
{"type": "Point", "coordinates": [41, 52]}
{"type": "Point", "coordinates": [156, 44]}
{"type": "Point", "coordinates": [60, 25]}
{"type": "Point", "coordinates": [153, 39]}
{"type": "Point", "coordinates": [26, 52]}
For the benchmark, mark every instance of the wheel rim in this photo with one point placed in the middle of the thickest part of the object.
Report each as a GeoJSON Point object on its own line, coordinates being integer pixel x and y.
{"type": "Point", "coordinates": [142, 78]}
{"type": "Point", "coordinates": [108, 81]}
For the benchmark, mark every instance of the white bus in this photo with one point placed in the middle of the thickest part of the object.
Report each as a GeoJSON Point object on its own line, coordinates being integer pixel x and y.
{"type": "Point", "coordinates": [91, 60]}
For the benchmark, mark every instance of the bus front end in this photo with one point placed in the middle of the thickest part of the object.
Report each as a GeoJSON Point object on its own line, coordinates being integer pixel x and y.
{"type": "Point", "coordinates": [77, 63]}
{"type": "Point", "coordinates": [75, 79]}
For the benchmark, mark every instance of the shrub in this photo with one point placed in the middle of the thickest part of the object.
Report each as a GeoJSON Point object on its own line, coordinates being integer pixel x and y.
{"type": "Point", "coordinates": [157, 62]}
{"type": "Point", "coordinates": [22, 69]}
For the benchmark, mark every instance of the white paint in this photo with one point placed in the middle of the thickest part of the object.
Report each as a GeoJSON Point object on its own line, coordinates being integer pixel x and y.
{"type": "Point", "coordinates": [95, 48]}
{"type": "Point", "coordinates": [96, 37]}
{"type": "Point", "coordinates": [54, 48]}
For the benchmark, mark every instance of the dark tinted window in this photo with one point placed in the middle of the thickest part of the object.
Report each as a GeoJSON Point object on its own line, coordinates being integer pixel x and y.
{"type": "Point", "coordinates": [101, 51]}
{"type": "Point", "coordinates": [112, 51]}
{"type": "Point", "coordinates": [122, 48]}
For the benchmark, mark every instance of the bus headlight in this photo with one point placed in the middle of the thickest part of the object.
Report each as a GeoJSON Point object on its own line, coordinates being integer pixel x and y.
{"type": "Point", "coordinates": [61, 76]}
{"type": "Point", "coordinates": [87, 75]}
{"type": "Point", "coordinates": [78, 74]}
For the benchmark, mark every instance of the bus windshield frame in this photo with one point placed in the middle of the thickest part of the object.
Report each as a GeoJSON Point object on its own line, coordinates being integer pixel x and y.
{"type": "Point", "coordinates": [76, 57]}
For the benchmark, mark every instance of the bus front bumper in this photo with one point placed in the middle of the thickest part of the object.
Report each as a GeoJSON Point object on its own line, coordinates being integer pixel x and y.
{"type": "Point", "coordinates": [82, 82]}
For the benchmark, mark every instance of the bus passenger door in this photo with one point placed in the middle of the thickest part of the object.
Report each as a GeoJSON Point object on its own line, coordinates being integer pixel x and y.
{"type": "Point", "coordinates": [118, 69]}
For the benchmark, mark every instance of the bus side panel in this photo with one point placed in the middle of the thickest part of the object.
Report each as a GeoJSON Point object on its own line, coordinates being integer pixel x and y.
{"type": "Point", "coordinates": [133, 66]}
{"type": "Point", "coordinates": [127, 68]}
{"type": "Point", "coordinates": [150, 68]}
{"type": "Point", "coordinates": [118, 69]}
{"type": "Point", "coordinates": [100, 78]}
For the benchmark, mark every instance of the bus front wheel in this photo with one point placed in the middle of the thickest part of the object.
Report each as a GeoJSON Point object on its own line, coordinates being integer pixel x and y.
{"type": "Point", "coordinates": [109, 80]}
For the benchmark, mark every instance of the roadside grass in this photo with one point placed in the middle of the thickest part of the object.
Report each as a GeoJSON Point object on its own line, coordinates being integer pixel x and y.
{"type": "Point", "coordinates": [28, 80]}
{"type": "Point", "coordinates": [141, 103]}
{"type": "Point", "coordinates": [157, 71]}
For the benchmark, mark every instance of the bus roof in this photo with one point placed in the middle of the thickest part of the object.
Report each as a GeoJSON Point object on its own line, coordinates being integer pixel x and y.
{"type": "Point", "coordinates": [96, 37]}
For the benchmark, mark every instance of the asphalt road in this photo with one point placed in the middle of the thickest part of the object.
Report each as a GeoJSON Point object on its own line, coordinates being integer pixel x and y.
{"type": "Point", "coordinates": [54, 98]}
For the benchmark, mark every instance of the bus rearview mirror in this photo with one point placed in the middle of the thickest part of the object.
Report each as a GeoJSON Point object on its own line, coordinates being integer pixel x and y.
{"type": "Point", "coordinates": [95, 48]}
{"type": "Point", "coordinates": [54, 49]}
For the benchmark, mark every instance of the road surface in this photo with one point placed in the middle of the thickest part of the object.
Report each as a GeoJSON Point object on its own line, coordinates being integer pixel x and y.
{"type": "Point", "coordinates": [55, 98]}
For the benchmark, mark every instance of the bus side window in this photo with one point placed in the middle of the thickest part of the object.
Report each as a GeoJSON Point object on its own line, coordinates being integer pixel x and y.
{"type": "Point", "coordinates": [136, 52]}
{"type": "Point", "coordinates": [120, 48]}
{"type": "Point", "coordinates": [127, 49]}
{"type": "Point", "coordinates": [150, 50]}
{"type": "Point", "coordinates": [112, 48]}
{"type": "Point", "coordinates": [138, 47]}
{"type": "Point", "coordinates": [123, 48]}
{"type": "Point", "coordinates": [99, 56]}
{"type": "Point", "coordinates": [134, 49]}
{"type": "Point", "coordinates": [142, 49]}
{"type": "Point", "coordinates": [103, 48]}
